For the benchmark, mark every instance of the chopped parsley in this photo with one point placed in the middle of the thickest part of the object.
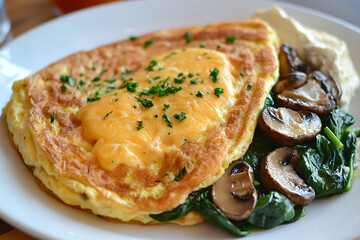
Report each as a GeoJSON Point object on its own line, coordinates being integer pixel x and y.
{"type": "Point", "coordinates": [96, 79]}
{"type": "Point", "coordinates": [188, 38]}
{"type": "Point", "coordinates": [131, 87]}
{"type": "Point", "coordinates": [218, 46]}
{"type": "Point", "coordinates": [133, 38]}
{"type": "Point", "coordinates": [214, 75]}
{"type": "Point", "coordinates": [151, 66]}
{"type": "Point", "coordinates": [218, 91]}
{"type": "Point", "coordinates": [140, 125]}
{"type": "Point", "coordinates": [156, 116]}
{"type": "Point", "coordinates": [149, 42]}
{"type": "Point", "coordinates": [108, 114]}
{"type": "Point", "coordinates": [190, 75]}
{"type": "Point", "coordinates": [202, 45]}
{"type": "Point", "coordinates": [249, 86]}
{"type": "Point", "coordinates": [230, 39]}
{"type": "Point", "coordinates": [147, 103]}
{"type": "Point", "coordinates": [103, 71]}
{"type": "Point", "coordinates": [194, 81]}
{"type": "Point", "coordinates": [169, 55]}
{"type": "Point", "coordinates": [110, 80]}
{"type": "Point", "coordinates": [166, 118]}
{"type": "Point", "coordinates": [63, 88]}
{"type": "Point", "coordinates": [166, 107]}
{"type": "Point", "coordinates": [199, 94]}
{"type": "Point", "coordinates": [181, 117]}
{"type": "Point", "coordinates": [179, 80]}
{"type": "Point", "coordinates": [68, 79]}
{"type": "Point", "coordinates": [52, 117]}
{"type": "Point", "coordinates": [97, 97]}
{"type": "Point", "coordinates": [242, 74]}
{"type": "Point", "coordinates": [180, 175]}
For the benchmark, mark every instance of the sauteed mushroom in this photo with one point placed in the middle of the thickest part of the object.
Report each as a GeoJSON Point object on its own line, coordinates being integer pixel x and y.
{"type": "Point", "coordinates": [277, 173]}
{"type": "Point", "coordinates": [234, 193]}
{"type": "Point", "coordinates": [320, 94]}
{"type": "Point", "coordinates": [290, 61]}
{"type": "Point", "coordinates": [287, 127]}
{"type": "Point", "coordinates": [290, 81]}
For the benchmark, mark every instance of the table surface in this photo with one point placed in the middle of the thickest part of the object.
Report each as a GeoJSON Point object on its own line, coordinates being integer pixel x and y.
{"type": "Point", "coordinates": [26, 14]}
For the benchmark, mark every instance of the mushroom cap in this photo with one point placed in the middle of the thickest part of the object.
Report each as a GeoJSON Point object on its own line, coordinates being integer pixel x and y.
{"type": "Point", "coordinates": [290, 61]}
{"type": "Point", "coordinates": [277, 173]}
{"type": "Point", "coordinates": [288, 127]}
{"type": "Point", "coordinates": [290, 81]}
{"type": "Point", "coordinates": [320, 94]}
{"type": "Point", "coordinates": [234, 193]}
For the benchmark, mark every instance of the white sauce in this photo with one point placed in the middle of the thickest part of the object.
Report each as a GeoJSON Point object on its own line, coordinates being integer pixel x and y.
{"type": "Point", "coordinates": [322, 50]}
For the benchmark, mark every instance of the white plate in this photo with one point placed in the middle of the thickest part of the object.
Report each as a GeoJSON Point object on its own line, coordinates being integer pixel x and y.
{"type": "Point", "coordinates": [26, 207]}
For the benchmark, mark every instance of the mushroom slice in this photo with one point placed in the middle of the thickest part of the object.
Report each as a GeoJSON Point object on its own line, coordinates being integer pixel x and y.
{"type": "Point", "coordinates": [320, 94]}
{"type": "Point", "coordinates": [234, 193]}
{"type": "Point", "coordinates": [290, 81]}
{"type": "Point", "coordinates": [290, 61]}
{"type": "Point", "coordinates": [288, 127]}
{"type": "Point", "coordinates": [277, 173]}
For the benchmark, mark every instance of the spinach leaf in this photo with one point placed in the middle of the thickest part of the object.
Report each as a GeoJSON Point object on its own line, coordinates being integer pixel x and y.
{"type": "Point", "coordinates": [272, 210]}
{"type": "Point", "coordinates": [174, 214]}
{"type": "Point", "coordinates": [300, 212]}
{"type": "Point", "coordinates": [269, 100]}
{"type": "Point", "coordinates": [200, 202]}
{"type": "Point", "coordinates": [257, 150]}
{"type": "Point", "coordinates": [212, 214]}
{"type": "Point", "coordinates": [338, 121]}
{"type": "Point", "coordinates": [327, 169]}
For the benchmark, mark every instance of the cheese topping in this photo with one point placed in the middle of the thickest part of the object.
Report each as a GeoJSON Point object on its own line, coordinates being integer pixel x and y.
{"type": "Point", "coordinates": [176, 97]}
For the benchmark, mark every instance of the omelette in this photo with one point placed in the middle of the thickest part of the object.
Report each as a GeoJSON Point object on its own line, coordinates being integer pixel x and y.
{"type": "Point", "coordinates": [132, 128]}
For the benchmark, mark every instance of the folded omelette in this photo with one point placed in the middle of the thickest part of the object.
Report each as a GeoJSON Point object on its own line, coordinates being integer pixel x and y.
{"type": "Point", "coordinates": [132, 128]}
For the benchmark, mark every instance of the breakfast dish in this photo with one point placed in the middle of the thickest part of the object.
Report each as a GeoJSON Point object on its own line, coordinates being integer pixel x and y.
{"type": "Point", "coordinates": [95, 106]}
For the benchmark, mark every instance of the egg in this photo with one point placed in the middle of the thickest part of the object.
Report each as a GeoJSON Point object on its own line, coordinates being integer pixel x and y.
{"type": "Point", "coordinates": [132, 128]}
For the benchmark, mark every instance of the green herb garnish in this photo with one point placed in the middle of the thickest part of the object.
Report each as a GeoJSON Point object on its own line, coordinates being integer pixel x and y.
{"type": "Point", "coordinates": [166, 107]}
{"type": "Point", "coordinates": [188, 38]}
{"type": "Point", "coordinates": [181, 117]}
{"type": "Point", "coordinates": [131, 87]}
{"type": "Point", "coordinates": [140, 125]}
{"type": "Point", "coordinates": [214, 75]}
{"type": "Point", "coordinates": [166, 118]}
{"type": "Point", "coordinates": [194, 81]}
{"type": "Point", "coordinates": [218, 91]}
{"type": "Point", "coordinates": [52, 118]}
{"type": "Point", "coordinates": [63, 88]}
{"type": "Point", "coordinates": [68, 79]}
{"type": "Point", "coordinates": [133, 38]}
{"type": "Point", "coordinates": [230, 39]}
{"type": "Point", "coordinates": [108, 114]}
{"type": "Point", "coordinates": [147, 103]}
{"type": "Point", "coordinates": [199, 94]}
{"type": "Point", "coordinates": [148, 43]}
{"type": "Point", "coordinates": [179, 80]}
{"type": "Point", "coordinates": [151, 66]}
{"type": "Point", "coordinates": [180, 174]}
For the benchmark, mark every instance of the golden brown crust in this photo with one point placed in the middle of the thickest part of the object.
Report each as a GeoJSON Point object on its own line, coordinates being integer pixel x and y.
{"type": "Point", "coordinates": [206, 157]}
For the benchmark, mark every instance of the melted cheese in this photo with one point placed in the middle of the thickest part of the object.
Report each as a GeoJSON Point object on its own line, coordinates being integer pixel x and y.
{"type": "Point", "coordinates": [112, 122]}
